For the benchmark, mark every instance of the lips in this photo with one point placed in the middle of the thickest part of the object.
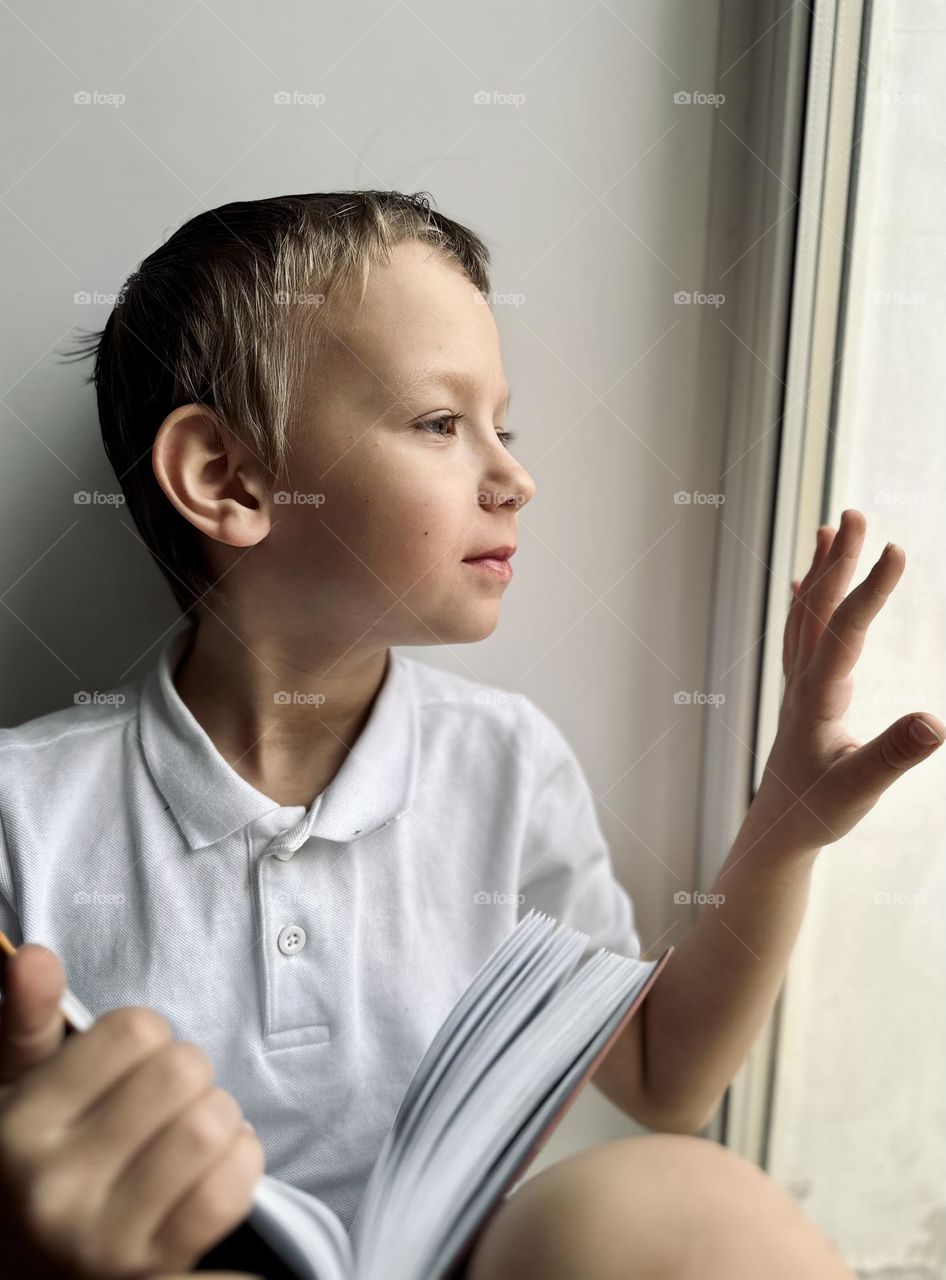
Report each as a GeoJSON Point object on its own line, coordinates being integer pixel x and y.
{"type": "Point", "coordinates": [497, 553]}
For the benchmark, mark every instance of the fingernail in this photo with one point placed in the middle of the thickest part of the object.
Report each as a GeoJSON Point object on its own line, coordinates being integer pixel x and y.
{"type": "Point", "coordinates": [923, 732]}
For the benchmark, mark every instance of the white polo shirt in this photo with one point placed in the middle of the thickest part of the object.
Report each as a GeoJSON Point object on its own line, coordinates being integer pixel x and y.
{"type": "Point", "coordinates": [312, 953]}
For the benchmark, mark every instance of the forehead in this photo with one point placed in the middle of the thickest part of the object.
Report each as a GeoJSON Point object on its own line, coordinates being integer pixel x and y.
{"type": "Point", "coordinates": [421, 325]}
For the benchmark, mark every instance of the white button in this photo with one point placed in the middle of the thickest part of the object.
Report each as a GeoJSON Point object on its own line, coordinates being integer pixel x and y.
{"type": "Point", "coordinates": [291, 939]}
{"type": "Point", "coordinates": [282, 854]}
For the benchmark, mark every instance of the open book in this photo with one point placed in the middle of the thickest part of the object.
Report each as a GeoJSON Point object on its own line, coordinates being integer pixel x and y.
{"type": "Point", "coordinates": [528, 1032]}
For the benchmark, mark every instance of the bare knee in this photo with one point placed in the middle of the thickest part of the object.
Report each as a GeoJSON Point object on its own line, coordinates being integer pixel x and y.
{"type": "Point", "coordinates": [652, 1208]}
{"type": "Point", "coordinates": [619, 1211]}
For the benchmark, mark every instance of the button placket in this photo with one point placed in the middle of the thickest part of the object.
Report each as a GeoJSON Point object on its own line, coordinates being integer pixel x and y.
{"type": "Point", "coordinates": [295, 1005]}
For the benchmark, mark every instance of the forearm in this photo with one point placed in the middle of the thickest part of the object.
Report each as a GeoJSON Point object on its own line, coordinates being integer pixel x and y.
{"type": "Point", "coordinates": [713, 998]}
{"type": "Point", "coordinates": [711, 1002]}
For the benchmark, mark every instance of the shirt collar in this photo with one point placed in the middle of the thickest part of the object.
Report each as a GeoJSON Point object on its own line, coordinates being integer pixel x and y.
{"type": "Point", "coordinates": [208, 798]}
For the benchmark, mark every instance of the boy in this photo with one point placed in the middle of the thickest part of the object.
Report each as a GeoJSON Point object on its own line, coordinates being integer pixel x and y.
{"type": "Point", "coordinates": [299, 846]}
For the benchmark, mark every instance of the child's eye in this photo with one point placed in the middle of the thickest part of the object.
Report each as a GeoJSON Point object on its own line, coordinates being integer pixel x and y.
{"type": "Point", "coordinates": [435, 424]}
{"type": "Point", "coordinates": [438, 426]}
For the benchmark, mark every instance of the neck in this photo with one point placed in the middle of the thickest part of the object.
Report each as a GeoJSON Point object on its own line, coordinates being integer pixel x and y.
{"type": "Point", "coordinates": [284, 720]}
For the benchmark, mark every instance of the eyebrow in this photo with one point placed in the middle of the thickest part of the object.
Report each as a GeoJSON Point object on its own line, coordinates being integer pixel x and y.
{"type": "Point", "coordinates": [457, 379]}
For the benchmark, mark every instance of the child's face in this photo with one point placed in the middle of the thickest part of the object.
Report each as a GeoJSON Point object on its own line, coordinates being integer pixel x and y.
{"type": "Point", "coordinates": [379, 559]}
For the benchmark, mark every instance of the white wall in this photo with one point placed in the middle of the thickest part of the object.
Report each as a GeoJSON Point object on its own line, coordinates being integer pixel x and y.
{"type": "Point", "coordinates": [594, 195]}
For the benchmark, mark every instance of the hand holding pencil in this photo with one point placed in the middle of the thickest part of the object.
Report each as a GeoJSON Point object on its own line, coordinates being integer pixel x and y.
{"type": "Point", "coordinates": [118, 1157]}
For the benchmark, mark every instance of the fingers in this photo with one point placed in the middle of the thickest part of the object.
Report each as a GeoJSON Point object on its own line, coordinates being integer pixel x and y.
{"type": "Point", "coordinates": [842, 642]}
{"type": "Point", "coordinates": [193, 1141]}
{"type": "Point", "coordinates": [211, 1208]}
{"type": "Point", "coordinates": [831, 582]}
{"type": "Point", "coordinates": [867, 772]}
{"type": "Point", "coordinates": [166, 1179]}
{"type": "Point", "coordinates": [31, 1024]}
{"type": "Point", "coordinates": [65, 1086]}
{"type": "Point", "coordinates": [823, 538]}
{"type": "Point", "coordinates": [124, 1150]}
{"type": "Point", "coordinates": [174, 1154]}
{"type": "Point", "coordinates": [136, 1110]}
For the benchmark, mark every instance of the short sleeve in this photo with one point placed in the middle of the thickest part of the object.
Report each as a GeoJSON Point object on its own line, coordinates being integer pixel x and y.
{"type": "Point", "coordinates": [566, 867]}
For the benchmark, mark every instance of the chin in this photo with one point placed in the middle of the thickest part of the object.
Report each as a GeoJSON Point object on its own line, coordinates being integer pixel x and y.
{"type": "Point", "coordinates": [465, 628]}
{"type": "Point", "coordinates": [481, 627]}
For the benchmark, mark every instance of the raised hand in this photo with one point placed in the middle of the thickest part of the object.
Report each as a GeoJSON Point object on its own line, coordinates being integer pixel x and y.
{"type": "Point", "coordinates": [818, 781]}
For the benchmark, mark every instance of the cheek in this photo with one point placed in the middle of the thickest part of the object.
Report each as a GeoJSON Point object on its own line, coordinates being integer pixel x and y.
{"type": "Point", "coordinates": [403, 506]}
{"type": "Point", "coordinates": [387, 510]}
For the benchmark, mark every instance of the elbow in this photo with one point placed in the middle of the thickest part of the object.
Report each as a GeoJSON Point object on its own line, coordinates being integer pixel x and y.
{"type": "Point", "coordinates": [683, 1120]}
{"type": "Point", "coordinates": [688, 1125]}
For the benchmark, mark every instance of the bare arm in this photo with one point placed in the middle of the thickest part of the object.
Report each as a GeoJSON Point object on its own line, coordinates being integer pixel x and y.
{"type": "Point", "coordinates": [709, 1006]}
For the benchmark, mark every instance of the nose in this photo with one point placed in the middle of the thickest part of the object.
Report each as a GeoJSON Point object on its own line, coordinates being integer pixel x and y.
{"type": "Point", "coordinates": [512, 486]}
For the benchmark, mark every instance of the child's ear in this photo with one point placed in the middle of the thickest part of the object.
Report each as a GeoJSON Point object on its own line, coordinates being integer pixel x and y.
{"type": "Point", "coordinates": [211, 478]}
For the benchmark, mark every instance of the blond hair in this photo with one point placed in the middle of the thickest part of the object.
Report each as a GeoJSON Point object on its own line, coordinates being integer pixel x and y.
{"type": "Point", "coordinates": [221, 315]}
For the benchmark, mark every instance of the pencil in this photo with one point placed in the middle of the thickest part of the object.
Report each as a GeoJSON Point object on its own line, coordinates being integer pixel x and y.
{"type": "Point", "coordinates": [73, 1010]}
